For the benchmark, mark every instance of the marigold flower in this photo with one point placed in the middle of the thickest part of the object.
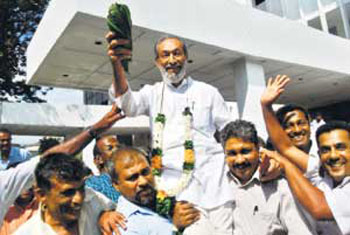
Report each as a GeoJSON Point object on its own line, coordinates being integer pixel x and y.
{"type": "Point", "coordinates": [156, 162]}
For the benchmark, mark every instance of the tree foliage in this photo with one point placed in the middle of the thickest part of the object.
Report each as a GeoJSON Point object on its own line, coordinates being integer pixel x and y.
{"type": "Point", "coordinates": [18, 22]}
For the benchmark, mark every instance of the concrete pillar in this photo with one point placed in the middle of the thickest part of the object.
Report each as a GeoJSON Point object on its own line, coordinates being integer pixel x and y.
{"type": "Point", "coordinates": [249, 78]}
{"type": "Point", "coordinates": [345, 18]}
{"type": "Point", "coordinates": [323, 17]}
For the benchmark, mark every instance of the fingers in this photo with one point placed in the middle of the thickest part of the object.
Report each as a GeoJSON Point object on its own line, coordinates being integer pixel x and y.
{"type": "Point", "coordinates": [117, 42]}
{"type": "Point", "coordinates": [110, 37]}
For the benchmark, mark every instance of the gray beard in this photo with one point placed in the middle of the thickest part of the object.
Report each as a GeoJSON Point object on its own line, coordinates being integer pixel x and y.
{"type": "Point", "coordinates": [172, 78]}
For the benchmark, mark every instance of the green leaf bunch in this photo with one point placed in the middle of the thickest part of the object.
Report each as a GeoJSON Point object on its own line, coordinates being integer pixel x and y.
{"type": "Point", "coordinates": [119, 22]}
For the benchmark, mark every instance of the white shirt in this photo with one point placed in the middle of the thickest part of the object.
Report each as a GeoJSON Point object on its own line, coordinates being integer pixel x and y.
{"type": "Point", "coordinates": [338, 199]}
{"type": "Point", "coordinates": [94, 203]}
{"type": "Point", "coordinates": [13, 182]}
{"type": "Point", "coordinates": [266, 208]}
{"type": "Point", "coordinates": [209, 188]}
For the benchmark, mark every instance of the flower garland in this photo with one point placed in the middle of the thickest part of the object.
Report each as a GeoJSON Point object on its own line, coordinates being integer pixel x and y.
{"type": "Point", "coordinates": [166, 198]}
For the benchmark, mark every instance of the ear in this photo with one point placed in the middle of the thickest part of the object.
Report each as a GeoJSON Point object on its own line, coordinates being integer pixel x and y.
{"type": "Point", "coordinates": [116, 186]}
{"type": "Point", "coordinates": [98, 160]}
{"type": "Point", "coordinates": [39, 193]}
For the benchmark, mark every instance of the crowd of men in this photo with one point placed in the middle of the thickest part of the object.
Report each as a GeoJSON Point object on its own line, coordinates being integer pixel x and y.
{"type": "Point", "coordinates": [291, 185]}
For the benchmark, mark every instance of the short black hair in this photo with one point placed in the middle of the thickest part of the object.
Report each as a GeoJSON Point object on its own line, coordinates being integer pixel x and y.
{"type": "Point", "coordinates": [160, 40]}
{"type": "Point", "coordinates": [96, 151]}
{"type": "Point", "coordinates": [330, 126]}
{"type": "Point", "coordinates": [62, 166]}
{"type": "Point", "coordinates": [5, 130]}
{"type": "Point", "coordinates": [47, 143]}
{"type": "Point", "coordinates": [240, 129]}
{"type": "Point", "coordinates": [281, 112]}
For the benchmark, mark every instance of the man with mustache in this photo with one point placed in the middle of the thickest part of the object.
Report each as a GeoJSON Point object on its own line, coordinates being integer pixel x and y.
{"type": "Point", "coordinates": [13, 181]}
{"type": "Point", "coordinates": [208, 188]}
{"type": "Point", "coordinates": [259, 208]}
{"type": "Point", "coordinates": [132, 176]}
{"type": "Point", "coordinates": [295, 121]}
{"type": "Point", "coordinates": [66, 206]}
{"type": "Point", "coordinates": [325, 198]}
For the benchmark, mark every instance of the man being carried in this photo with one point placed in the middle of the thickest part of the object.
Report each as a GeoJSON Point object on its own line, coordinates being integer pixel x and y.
{"type": "Point", "coordinates": [184, 115]}
{"type": "Point", "coordinates": [324, 198]}
{"type": "Point", "coordinates": [259, 208]}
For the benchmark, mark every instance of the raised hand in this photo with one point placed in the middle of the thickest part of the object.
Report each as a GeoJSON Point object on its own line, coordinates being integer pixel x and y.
{"type": "Point", "coordinates": [275, 87]}
{"type": "Point", "coordinates": [108, 120]}
{"type": "Point", "coordinates": [114, 49]}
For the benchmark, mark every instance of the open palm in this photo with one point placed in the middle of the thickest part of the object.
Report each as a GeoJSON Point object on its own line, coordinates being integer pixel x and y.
{"type": "Point", "coordinates": [275, 87]}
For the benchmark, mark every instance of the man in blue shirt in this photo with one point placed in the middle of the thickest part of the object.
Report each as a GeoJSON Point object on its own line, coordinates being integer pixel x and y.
{"type": "Point", "coordinates": [103, 150]}
{"type": "Point", "coordinates": [10, 154]}
{"type": "Point", "coordinates": [132, 176]}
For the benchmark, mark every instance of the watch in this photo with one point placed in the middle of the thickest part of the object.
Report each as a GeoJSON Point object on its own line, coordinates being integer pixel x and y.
{"type": "Point", "coordinates": [93, 133]}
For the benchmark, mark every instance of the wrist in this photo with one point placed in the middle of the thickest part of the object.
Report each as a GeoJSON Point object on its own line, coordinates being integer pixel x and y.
{"type": "Point", "coordinates": [92, 132]}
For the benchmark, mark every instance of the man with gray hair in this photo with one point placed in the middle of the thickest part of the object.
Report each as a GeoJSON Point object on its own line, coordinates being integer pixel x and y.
{"type": "Point", "coordinates": [184, 115]}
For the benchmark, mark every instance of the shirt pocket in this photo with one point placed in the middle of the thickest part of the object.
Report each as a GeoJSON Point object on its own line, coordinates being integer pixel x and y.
{"type": "Point", "coordinates": [201, 115]}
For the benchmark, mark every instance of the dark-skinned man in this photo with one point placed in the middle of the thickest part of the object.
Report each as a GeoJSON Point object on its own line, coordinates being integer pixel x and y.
{"type": "Point", "coordinates": [325, 198]}
{"type": "Point", "coordinates": [103, 151]}
{"type": "Point", "coordinates": [132, 177]}
{"type": "Point", "coordinates": [15, 180]}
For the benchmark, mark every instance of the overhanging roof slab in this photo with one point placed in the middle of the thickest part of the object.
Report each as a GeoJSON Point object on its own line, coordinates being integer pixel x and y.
{"type": "Point", "coordinates": [69, 49]}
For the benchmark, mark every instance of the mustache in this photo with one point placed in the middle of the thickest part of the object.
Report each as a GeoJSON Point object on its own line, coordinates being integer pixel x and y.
{"type": "Point", "coordinates": [172, 66]}
{"type": "Point", "coordinates": [332, 162]}
{"type": "Point", "coordinates": [146, 189]}
{"type": "Point", "coordinates": [242, 165]}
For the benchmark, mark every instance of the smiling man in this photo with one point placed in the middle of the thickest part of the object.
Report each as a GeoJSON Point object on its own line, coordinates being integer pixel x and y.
{"type": "Point", "coordinates": [66, 206]}
{"type": "Point", "coordinates": [325, 198]}
{"type": "Point", "coordinates": [259, 208]}
{"type": "Point", "coordinates": [176, 93]}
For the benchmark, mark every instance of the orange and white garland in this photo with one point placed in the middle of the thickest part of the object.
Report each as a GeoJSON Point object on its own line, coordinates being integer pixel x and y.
{"type": "Point", "coordinates": [166, 197]}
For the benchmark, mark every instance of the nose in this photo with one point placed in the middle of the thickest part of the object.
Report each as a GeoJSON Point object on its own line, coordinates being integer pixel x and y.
{"type": "Point", "coordinates": [142, 181]}
{"type": "Point", "coordinates": [172, 59]}
{"type": "Point", "coordinates": [297, 129]}
{"type": "Point", "coordinates": [334, 154]}
{"type": "Point", "coordinates": [240, 159]}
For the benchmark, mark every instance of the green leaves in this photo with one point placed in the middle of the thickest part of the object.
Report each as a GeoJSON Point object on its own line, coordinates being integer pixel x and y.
{"type": "Point", "coordinates": [119, 22]}
{"type": "Point", "coordinates": [160, 118]}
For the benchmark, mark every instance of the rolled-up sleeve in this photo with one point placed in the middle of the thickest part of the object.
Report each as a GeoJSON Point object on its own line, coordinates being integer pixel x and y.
{"type": "Point", "coordinates": [133, 103]}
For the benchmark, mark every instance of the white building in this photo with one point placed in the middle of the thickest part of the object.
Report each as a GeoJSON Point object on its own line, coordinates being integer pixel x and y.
{"type": "Point", "coordinates": [234, 45]}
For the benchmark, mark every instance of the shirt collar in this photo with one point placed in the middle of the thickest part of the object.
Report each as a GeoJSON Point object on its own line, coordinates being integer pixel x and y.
{"type": "Point", "coordinates": [255, 179]}
{"type": "Point", "coordinates": [128, 208]}
{"type": "Point", "coordinates": [186, 82]}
